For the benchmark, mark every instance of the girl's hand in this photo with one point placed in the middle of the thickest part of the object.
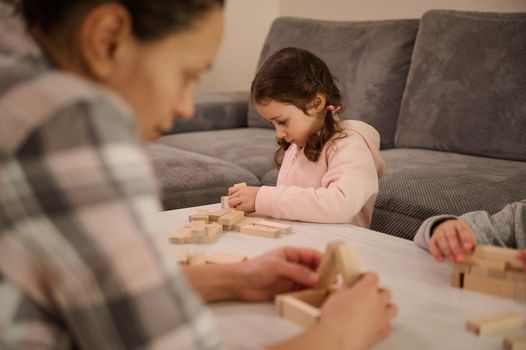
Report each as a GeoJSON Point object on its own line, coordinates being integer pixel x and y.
{"type": "Point", "coordinates": [243, 198]}
{"type": "Point", "coordinates": [278, 271]}
{"type": "Point", "coordinates": [450, 239]}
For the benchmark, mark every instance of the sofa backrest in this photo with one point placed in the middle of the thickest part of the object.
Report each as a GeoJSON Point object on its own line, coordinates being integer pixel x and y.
{"type": "Point", "coordinates": [466, 88]}
{"type": "Point", "coordinates": [370, 59]}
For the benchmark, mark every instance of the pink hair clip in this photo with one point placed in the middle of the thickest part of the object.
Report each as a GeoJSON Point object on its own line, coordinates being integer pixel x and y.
{"type": "Point", "coordinates": [333, 109]}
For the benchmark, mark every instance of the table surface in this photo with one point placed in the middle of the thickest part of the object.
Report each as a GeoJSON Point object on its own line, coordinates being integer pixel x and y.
{"type": "Point", "coordinates": [432, 314]}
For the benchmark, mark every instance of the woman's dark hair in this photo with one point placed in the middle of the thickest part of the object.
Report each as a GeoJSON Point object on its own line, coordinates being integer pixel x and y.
{"type": "Point", "coordinates": [294, 76]}
{"type": "Point", "coordinates": [151, 19]}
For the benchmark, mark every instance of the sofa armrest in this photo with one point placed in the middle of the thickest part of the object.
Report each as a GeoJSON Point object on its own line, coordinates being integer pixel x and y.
{"type": "Point", "coordinates": [216, 110]}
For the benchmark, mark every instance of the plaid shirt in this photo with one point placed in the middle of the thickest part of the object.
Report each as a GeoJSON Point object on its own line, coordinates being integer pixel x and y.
{"type": "Point", "coordinates": [77, 208]}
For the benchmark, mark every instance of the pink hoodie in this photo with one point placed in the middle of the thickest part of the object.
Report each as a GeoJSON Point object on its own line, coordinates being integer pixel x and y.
{"type": "Point", "coordinates": [341, 187]}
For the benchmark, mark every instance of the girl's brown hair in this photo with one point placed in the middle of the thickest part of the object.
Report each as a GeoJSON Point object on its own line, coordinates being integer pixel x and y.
{"type": "Point", "coordinates": [294, 76]}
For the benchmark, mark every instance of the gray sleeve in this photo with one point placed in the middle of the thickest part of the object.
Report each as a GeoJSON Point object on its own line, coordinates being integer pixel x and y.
{"type": "Point", "coordinates": [423, 235]}
{"type": "Point", "coordinates": [507, 228]}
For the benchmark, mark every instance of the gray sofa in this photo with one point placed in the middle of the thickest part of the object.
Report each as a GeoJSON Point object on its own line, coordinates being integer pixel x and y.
{"type": "Point", "coordinates": [447, 93]}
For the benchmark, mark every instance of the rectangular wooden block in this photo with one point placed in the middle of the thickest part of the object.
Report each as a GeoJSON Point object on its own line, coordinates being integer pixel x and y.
{"type": "Point", "coordinates": [224, 258]}
{"type": "Point", "coordinates": [284, 229]}
{"type": "Point", "coordinates": [299, 311]}
{"type": "Point", "coordinates": [244, 222]}
{"type": "Point", "coordinates": [493, 286]}
{"type": "Point", "coordinates": [213, 230]}
{"type": "Point", "coordinates": [183, 257]}
{"type": "Point", "coordinates": [260, 231]}
{"type": "Point", "coordinates": [483, 271]}
{"type": "Point", "coordinates": [507, 255]}
{"type": "Point", "coordinates": [495, 323]}
{"type": "Point", "coordinates": [224, 202]}
{"type": "Point", "coordinates": [457, 275]}
{"type": "Point", "coordinates": [215, 215]}
{"type": "Point", "coordinates": [515, 342]}
{"type": "Point", "coordinates": [197, 259]}
{"type": "Point", "coordinates": [516, 275]}
{"type": "Point", "coordinates": [348, 265]}
{"type": "Point", "coordinates": [199, 217]}
{"type": "Point", "coordinates": [241, 184]}
{"type": "Point", "coordinates": [231, 218]}
{"type": "Point", "coordinates": [179, 236]}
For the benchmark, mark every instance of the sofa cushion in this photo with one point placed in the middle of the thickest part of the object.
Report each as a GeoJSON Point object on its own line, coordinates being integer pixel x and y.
{"type": "Point", "coordinates": [249, 148]}
{"type": "Point", "coordinates": [370, 60]}
{"type": "Point", "coordinates": [466, 89]}
{"type": "Point", "coordinates": [187, 179]}
{"type": "Point", "coordinates": [422, 183]}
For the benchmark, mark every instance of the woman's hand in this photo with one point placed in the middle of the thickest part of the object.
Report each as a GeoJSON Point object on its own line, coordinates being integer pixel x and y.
{"type": "Point", "coordinates": [278, 271]}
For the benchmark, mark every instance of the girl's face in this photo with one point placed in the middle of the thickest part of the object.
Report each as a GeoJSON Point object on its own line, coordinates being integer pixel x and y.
{"type": "Point", "coordinates": [290, 122]}
{"type": "Point", "coordinates": [157, 78]}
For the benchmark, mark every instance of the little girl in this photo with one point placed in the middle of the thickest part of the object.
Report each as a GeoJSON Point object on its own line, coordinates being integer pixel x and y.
{"type": "Point", "coordinates": [329, 167]}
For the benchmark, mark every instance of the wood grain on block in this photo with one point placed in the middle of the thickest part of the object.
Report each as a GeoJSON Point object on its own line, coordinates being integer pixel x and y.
{"type": "Point", "coordinates": [284, 229]}
{"type": "Point", "coordinates": [520, 291]}
{"type": "Point", "coordinates": [225, 258]}
{"type": "Point", "coordinates": [202, 211]}
{"type": "Point", "coordinates": [241, 184]}
{"type": "Point", "coordinates": [298, 311]}
{"type": "Point", "coordinates": [198, 227]}
{"type": "Point", "coordinates": [493, 286]}
{"type": "Point", "coordinates": [215, 215]}
{"type": "Point", "coordinates": [231, 218]}
{"type": "Point", "coordinates": [244, 222]}
{"type": "Point", "coordinates": [257, 230]}
{"type": "Point", "coordinates": [179, 236]}
{"type": "Point", "coordinates": [327, 270]}
{"type": "Point", "coordinates": [515, 342]}
{"type": "Point", "coordinates": [495, 323]}
{"type": "Point", "coordinates": [199, 217]}
{"type": "Point", "coordinates": [197, 258]}
{"type": "Point", "coordinates": [483, 271]}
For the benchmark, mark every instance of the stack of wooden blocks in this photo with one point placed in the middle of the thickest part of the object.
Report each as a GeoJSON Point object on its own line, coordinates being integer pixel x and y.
{"type": "Point", "coordinates": [507, 321]}
{"type": "Point", "coordinates": [303, 308]}
{"type": "Point", "coordinates": [206, 227]}
{"type": "Point", "coordinates": [492, 270]}
{"type": "Point", "coordinates": [199, 258]}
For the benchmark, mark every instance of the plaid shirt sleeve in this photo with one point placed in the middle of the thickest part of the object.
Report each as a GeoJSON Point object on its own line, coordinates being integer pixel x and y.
{"type": "Point", "coordinates": [77, 267]}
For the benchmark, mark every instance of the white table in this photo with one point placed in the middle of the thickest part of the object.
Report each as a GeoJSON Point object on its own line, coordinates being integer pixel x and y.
{"type": "Point", "coordinates": [431, 313]}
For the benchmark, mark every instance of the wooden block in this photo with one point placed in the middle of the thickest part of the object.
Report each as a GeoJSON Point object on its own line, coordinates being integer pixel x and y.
{"type": "Point", "coordinates": [297, 311]}
{"type": "Point", "coordinates": [199, 217]}
{"type": "Point", "coordinates": [197, 227]}
{"type": "Point", "coordinates": [196, 259]}
{"type": "Point", "coordinates": [224, 202]}
{"type": "Point", "coordinates": [225, 258]}
{"type": "Point", "coordinates": [509, 256]}
{"type": "Point", "coordinates": [241, 184]}
{"type": "Point", "coordinates": [495, 323]}
{"type": "Point", "coordinates": [347, 261]}
{"type": "Point", "coordinates": [202, 211]}
{"type": "Point", "coordinates": [214, 216]}
{"type": "Point", "coordinates": [231, 218]}
{"type": "Point", "coordinates": [515, 342]}
{"type": "Point", "coordinates": [493, 286]}
{"type": "Point", "coordinates": [458, 273]}
{"type": "Point", "coordinates": [284, 229]}
{"type": "Point", "coordinates": [327, 270]}
{"type": "Point", "coordinates": [263, 231]}
{"type": "Point", "coordinates": [179, 236]}
{"type": "Point", "coordinates": [520, 291]}
{"type": "Point", "coordinates": [183, 257]}
{"type": "Point", "coordinates": [244, 222]}
{"type": "Point", "coordinates": [483, 271]}
{"type": "Point", "coordinates": [516, 275]}
{"type": "Point", "coordinates": [213, 230]}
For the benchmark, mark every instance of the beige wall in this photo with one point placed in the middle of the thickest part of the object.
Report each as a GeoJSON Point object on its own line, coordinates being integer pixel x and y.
{"type": "Point", "coordinates": [248, 21]}
{"type": "Point", "coordinates": [246, 26]}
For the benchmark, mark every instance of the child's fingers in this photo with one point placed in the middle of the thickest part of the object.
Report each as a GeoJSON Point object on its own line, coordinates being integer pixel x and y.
{"type": "Point", "coordinates": [434, 249]}
{"type": "Point", "coordinates": [454, 243]}
{"type": "Point", "coordinates": [232, 190]}
{"type": "Point", "coordinates": [467, 237]}
{"type": "Point", "coordinates": [443, 245]}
